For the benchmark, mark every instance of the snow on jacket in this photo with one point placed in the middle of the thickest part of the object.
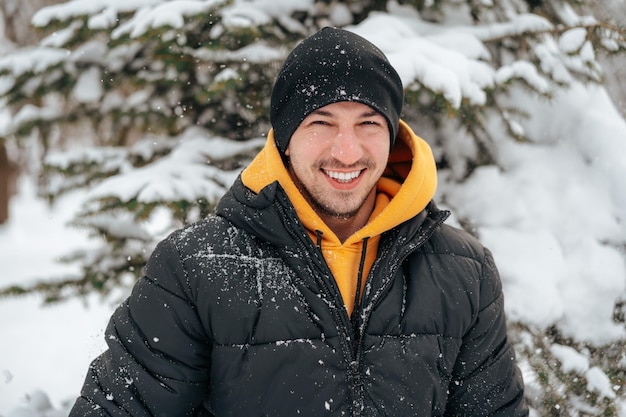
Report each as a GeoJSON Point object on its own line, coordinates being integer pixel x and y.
{"type": "Point", "coordinates": [246, 313]}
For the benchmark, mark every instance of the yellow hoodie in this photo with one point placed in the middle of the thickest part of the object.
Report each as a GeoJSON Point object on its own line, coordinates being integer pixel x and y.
{"type": "Point", "coordinates": [403, 191]}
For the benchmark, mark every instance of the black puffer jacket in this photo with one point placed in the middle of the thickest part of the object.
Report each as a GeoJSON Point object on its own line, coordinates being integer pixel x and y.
{"type": "Point", "coordinates": [238, 315]}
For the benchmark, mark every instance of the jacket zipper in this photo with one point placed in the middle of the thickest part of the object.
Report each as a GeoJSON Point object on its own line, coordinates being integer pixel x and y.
{"type": "Point", "coordinates": [354, 321]}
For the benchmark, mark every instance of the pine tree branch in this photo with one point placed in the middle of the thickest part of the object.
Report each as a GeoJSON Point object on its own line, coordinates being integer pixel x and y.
{"type": "Point", "coordinates": [559, 30]}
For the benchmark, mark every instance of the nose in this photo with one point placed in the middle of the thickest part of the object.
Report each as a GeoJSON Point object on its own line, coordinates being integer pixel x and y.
{"type": "Point", "coordinates": [346, 147]}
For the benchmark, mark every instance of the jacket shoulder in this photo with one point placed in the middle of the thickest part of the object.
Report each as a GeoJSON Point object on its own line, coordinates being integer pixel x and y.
{"type": "Point", "coordinates": [462, 255]}
{"type": "Point", "coordinates": [451, 240]}
{"type": "Point", "coordinates": [213, 233]}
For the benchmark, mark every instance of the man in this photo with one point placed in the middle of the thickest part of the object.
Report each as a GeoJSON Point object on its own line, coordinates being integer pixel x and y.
{"type": "Point", "coordinates": [327, 282]}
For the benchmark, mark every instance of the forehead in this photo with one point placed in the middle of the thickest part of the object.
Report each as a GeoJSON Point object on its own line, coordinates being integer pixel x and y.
{"type": "Point", "coordinates": [351, 108]}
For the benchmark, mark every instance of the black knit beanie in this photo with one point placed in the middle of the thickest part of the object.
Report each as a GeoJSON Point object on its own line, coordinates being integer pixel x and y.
{"type": "Point", "coordinates": [330, 66]}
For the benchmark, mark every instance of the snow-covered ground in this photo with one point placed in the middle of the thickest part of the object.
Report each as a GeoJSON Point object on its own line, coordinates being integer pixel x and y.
{"type": "Point", "coordinates": [43, 348]}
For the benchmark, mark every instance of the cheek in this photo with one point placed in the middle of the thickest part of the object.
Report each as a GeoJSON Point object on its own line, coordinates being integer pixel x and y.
{"type": "Point", "coordinates": [379, 149]}
{"type": "Point", "coordinates": [305, 149]}
{"type": "Point", "coordinates": [297, 161]}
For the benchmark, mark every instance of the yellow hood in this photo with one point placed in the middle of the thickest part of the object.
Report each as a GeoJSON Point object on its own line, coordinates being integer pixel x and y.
{"type": "Point", "coordinates": [405, 189]}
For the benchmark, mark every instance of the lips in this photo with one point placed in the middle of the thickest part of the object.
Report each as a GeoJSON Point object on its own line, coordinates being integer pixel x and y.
{"type": "Point", "coordinates": [343, 177]}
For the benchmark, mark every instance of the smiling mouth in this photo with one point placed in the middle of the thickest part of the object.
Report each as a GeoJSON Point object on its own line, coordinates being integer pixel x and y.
{"type": "Point", "coordinates": [343, 177]}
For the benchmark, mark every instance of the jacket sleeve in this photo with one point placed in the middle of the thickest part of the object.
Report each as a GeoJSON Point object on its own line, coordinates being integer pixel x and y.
{"type": "Point", "coordinates": [486, 380]}
{"type": "Point", "coordinates": [158, 356]}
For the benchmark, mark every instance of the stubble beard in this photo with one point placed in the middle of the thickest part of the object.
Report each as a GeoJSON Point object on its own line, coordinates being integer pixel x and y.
{"type": "Point", "coordinates": [330, 205]}
{"type": "Point", "coordinates": [331, 209]}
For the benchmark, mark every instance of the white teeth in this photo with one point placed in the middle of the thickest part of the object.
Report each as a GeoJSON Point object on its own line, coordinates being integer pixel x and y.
{"type": "Point", "coordinates": [343, 176]}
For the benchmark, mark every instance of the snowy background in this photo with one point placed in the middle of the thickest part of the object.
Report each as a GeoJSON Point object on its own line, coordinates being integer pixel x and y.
{"type": "Point", "coordinates": [43, 348]}
{"type": "Point", "coordinates": [552, 266]}
{"type": "Point", "coordinates": [553, 212]}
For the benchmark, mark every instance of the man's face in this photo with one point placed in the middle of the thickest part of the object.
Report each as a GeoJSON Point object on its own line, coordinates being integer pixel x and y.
{"type": "Point", "coordinates": [337, 155]}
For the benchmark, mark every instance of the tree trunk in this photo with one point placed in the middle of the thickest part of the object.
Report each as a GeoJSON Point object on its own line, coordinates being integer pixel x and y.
{"type": "Point", "coordinates": [8, 182]}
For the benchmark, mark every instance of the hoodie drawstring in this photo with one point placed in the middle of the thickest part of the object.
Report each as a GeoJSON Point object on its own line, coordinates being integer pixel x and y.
{"type": "Point", "coordinates": [318, 243]}
{"type": "Point", "coordinates": [359, 281]}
